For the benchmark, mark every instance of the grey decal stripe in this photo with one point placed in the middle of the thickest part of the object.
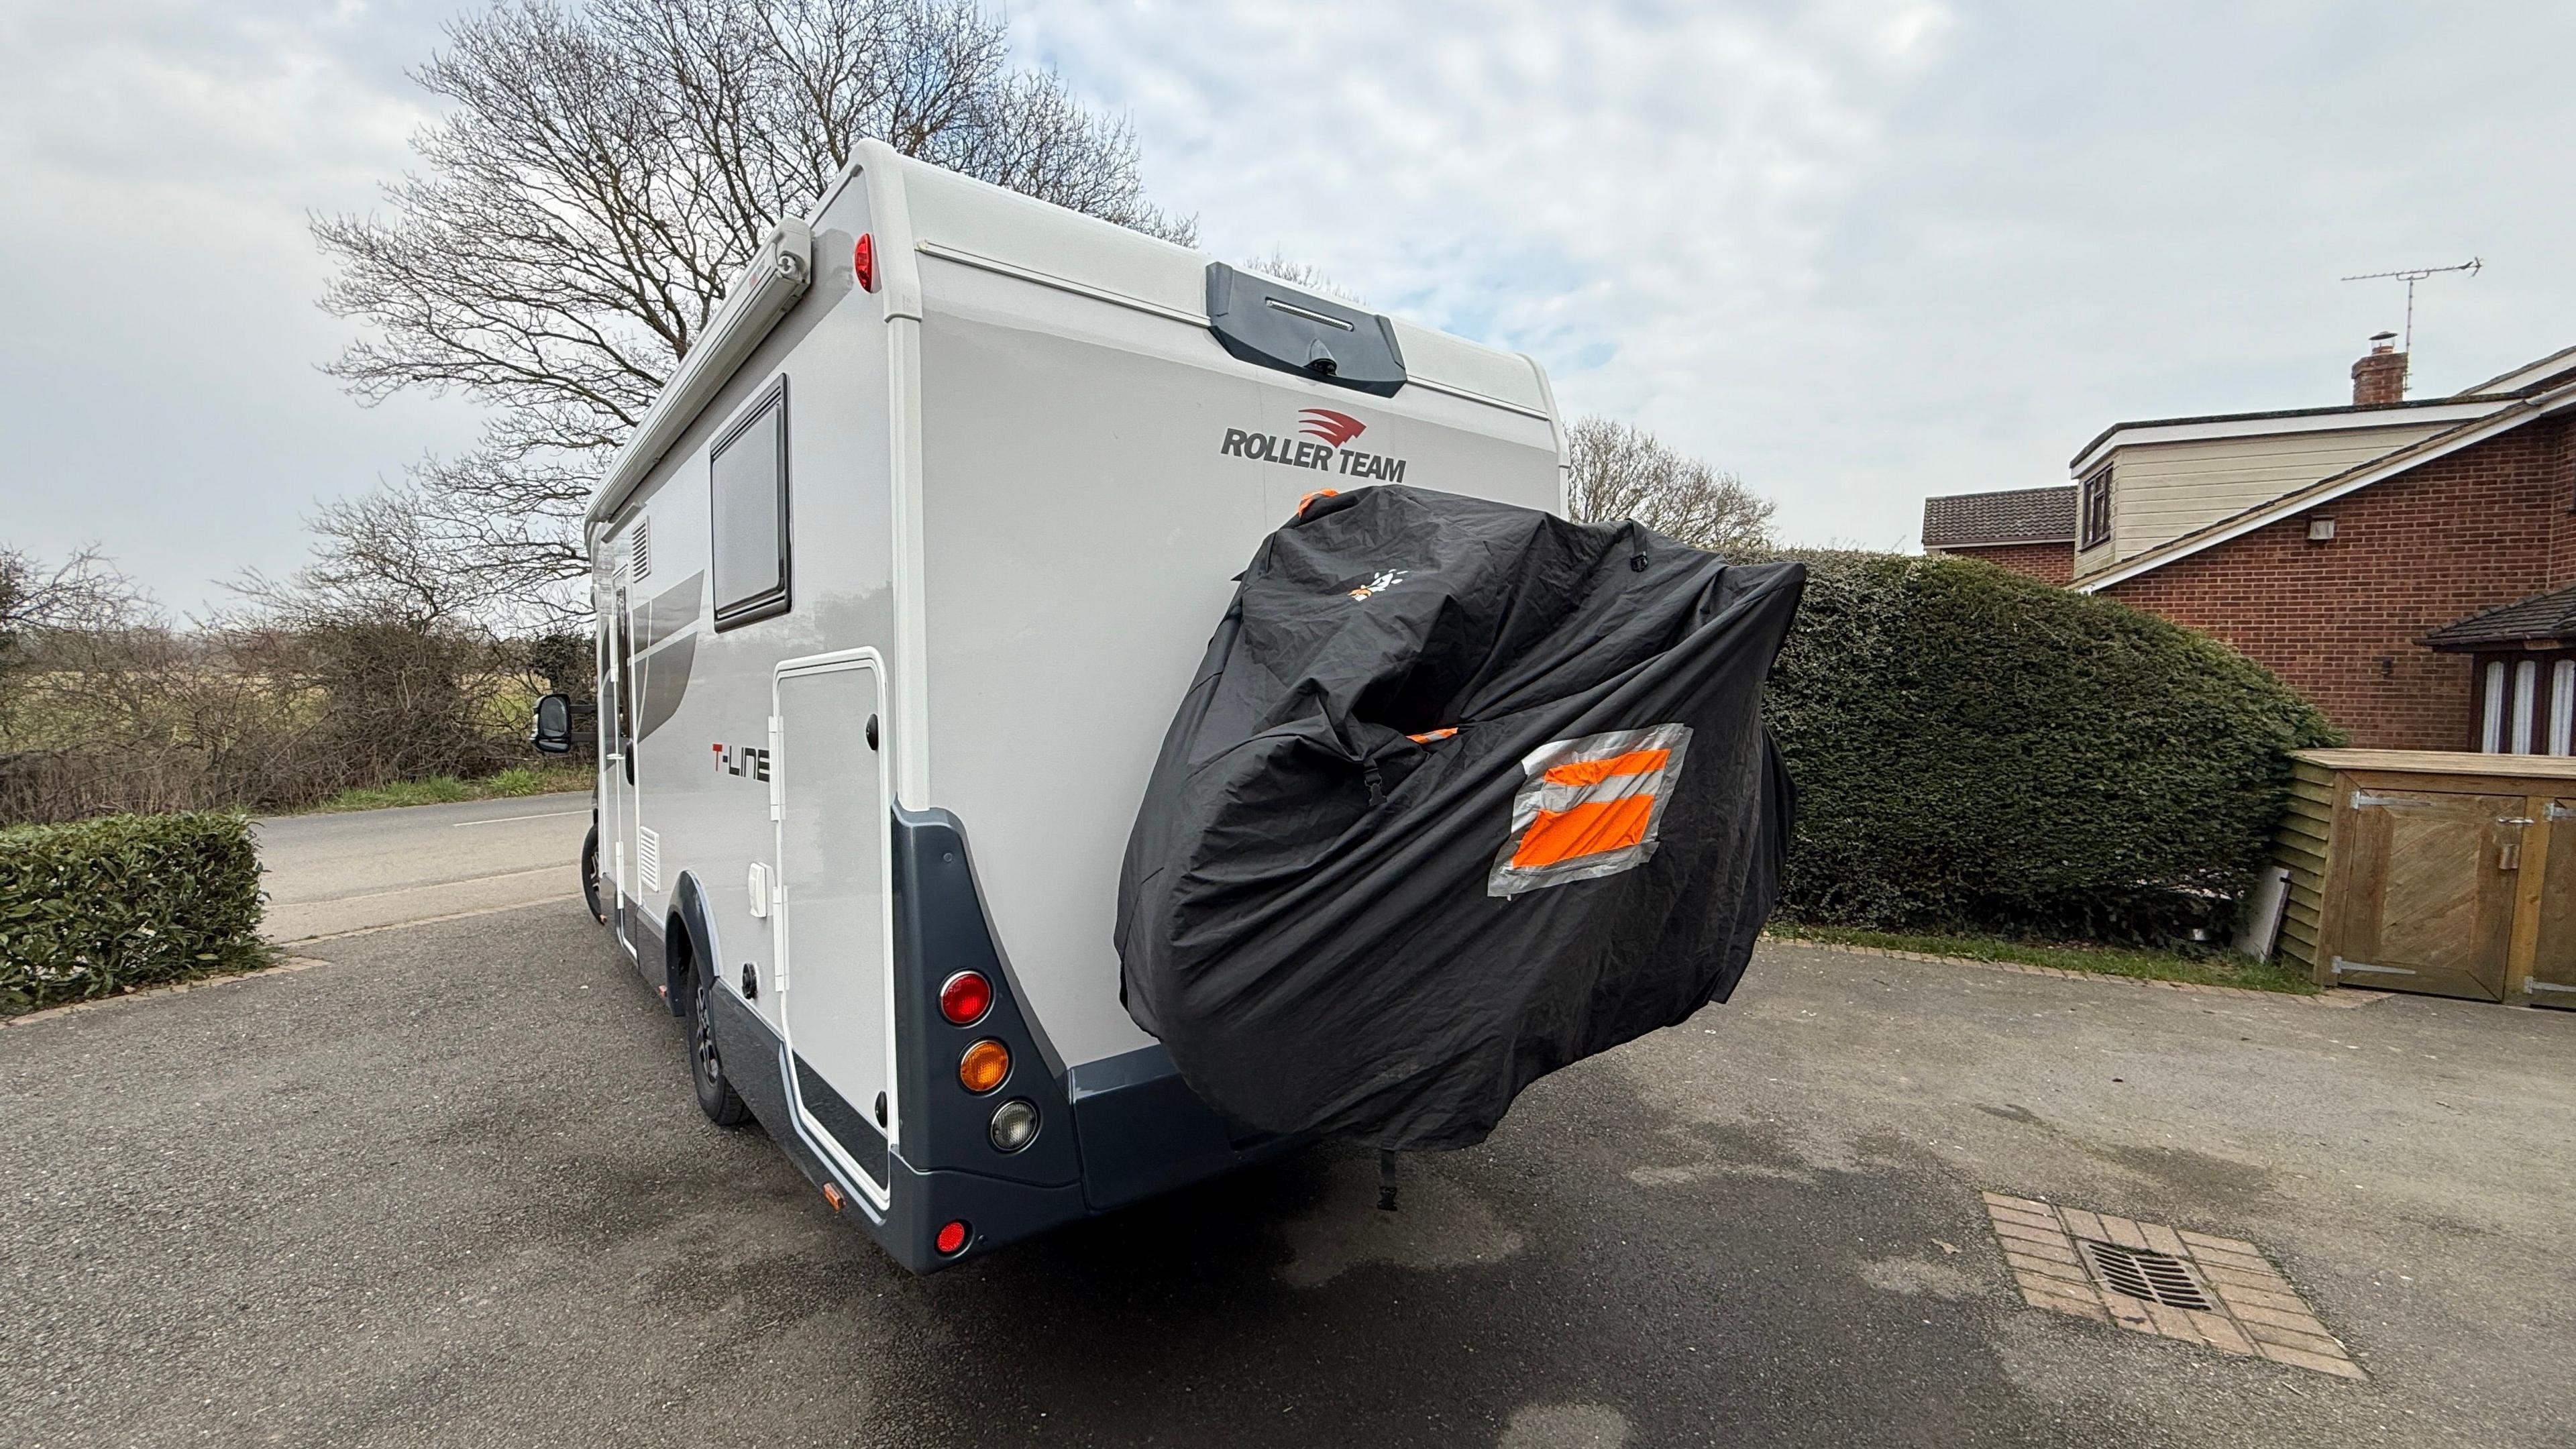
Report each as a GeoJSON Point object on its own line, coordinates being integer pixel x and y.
{"type": "Point", "coordinates": [666, 682]}
{"type": "Point", "coordinates": [670, 611]}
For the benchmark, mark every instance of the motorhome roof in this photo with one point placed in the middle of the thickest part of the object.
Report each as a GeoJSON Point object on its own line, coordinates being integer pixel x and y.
{"type": "Point", "coordinates": [961, 219]}
{"type": "Point", "coordinates": [973, 223]}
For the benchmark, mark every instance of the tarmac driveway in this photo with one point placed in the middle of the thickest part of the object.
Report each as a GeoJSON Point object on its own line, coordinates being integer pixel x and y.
{"type": "Point", "coordinates": [364, 870]}
{"type": "Point", "coordinates": [450, 1188]}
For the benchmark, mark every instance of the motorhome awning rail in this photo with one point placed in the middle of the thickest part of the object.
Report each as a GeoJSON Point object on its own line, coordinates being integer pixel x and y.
{"type": "Point", "coordinates": [768, 285]}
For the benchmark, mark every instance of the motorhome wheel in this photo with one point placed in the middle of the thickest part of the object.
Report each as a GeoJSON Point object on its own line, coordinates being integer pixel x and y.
{"type": "Point", "coordinates": [716, 1096]}
{"type": "Point", "coordinates": [590, 875]}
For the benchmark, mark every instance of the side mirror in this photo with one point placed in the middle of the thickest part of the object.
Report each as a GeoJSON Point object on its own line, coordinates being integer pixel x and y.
{"type": "Point", "coordinates": [552, 732]}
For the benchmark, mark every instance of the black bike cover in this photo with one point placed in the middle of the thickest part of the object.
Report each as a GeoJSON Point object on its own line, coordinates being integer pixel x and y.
{"type": "Point", "coordinates": [1462, 793]}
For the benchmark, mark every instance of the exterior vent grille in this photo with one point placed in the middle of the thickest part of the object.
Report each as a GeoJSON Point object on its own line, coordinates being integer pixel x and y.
{"type": "Point", "coordinates": [639, 554]}
{"type": "Point", "coordinates": [648, 859]}
{"type": "Point", "coordinates": [2146, 1273]}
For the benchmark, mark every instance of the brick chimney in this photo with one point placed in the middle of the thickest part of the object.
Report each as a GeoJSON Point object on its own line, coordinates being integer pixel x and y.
{"type": "Point", "coordinates": [2380, 378]}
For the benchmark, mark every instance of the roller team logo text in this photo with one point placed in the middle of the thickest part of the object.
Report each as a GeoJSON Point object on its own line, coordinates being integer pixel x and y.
{"type": "Point", "coordinates": [1325, 456]}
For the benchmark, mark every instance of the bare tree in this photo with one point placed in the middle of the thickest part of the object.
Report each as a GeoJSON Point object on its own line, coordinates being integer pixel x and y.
{"type": "Point", "coordinates": [605, 171]}
{"type": "Point", "coordinates": [40, 600]}
{"type": "Point", "coordinates": [385, 558]}
{"type": "Point", "coordinates": [1623, 471]}
{"type": "Point", "coordinates": [1300, 274]}
{"type": "Point", "coordinates": [84, 590]}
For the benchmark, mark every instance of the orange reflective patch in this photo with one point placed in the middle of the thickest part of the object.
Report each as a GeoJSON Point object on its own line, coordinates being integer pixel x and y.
{"type": "Point", "coordinates": [1586, 829]}
{"type": "Point", "coordinates": [1593, 772]}
{"type": "Point", "coordinates": [1427, 736]}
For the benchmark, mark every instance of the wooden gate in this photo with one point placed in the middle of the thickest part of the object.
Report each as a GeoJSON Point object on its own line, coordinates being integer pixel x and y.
{"type": "Point", "coordinates": [2435, 872]}
{"type": "Point", "coordinates": [2552, 978]}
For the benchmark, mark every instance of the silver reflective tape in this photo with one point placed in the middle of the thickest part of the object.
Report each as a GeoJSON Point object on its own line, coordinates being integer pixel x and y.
{"type": "Point", "coordinates": [1540, 797]}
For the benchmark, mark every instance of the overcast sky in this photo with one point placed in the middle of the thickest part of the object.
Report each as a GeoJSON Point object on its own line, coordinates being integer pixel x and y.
{"type": "Point", "coordinates": [1859, 252]}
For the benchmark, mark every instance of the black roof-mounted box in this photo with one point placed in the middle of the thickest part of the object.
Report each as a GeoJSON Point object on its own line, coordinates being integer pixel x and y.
{"type": "Point", "coordinates": [1269, 323]}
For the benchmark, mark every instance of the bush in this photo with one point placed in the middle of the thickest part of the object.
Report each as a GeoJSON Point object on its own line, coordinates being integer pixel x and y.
{"type": "Point", "coordinates": [106, 905]}
{"type": "Point", "coordinates": [1974, 749]}
{"type": "Point", "coordinates": [149, 719]}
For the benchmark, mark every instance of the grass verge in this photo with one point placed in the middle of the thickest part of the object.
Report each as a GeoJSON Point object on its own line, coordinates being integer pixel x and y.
{"type": "Point", "coordinates": [448, 789]}
{"type": "Point", "coordinates": [2214, 968]}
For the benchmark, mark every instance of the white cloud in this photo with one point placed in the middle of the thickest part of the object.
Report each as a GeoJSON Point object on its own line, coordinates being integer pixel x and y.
{"type": "Point", "coordinates": [1860, 250]}
{"type": "Point", "coordinates": [161, 394]}
{"type": "Point", "coordinates": [1875, 249]}
{"type": "Point", "coordinates": [1521, 170]}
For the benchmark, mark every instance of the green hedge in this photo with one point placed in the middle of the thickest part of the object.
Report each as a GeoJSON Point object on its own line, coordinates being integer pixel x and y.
{"type": "Point", "coordinates": [1977, 750]}
{"type": "Point", "coordinates": [102, 906]}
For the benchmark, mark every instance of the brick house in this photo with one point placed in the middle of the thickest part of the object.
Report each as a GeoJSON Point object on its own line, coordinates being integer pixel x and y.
{"type": "Point", "coordinates": [2028, 530]}
{"type": "Point", "coordinates": [2407, 564]}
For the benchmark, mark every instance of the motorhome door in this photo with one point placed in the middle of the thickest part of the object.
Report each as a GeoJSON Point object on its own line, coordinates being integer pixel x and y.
{"type": "Point", "coordinates": [828, 780]}
{"type": "Point", "coordinates": [617, 762]}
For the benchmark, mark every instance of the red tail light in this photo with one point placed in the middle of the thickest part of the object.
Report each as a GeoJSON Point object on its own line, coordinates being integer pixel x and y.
{"type": "Point", "coordinates": [863, 261]}
{"type": "Point", "coordinates": [952, 1239]}
{"type": "Point", "coordinates": [965, 998]}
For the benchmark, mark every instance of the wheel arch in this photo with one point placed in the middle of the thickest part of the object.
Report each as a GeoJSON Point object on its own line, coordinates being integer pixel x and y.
{"type": "Point", "coordinates": [690, 937]}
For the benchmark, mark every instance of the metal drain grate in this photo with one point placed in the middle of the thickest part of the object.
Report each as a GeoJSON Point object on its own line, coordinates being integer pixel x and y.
{"type": "Point", "coordinates": [2146, 1273]}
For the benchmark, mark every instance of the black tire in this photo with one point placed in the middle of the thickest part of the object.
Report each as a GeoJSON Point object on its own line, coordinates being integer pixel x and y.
{"type": "Point", "coordinates": [590, 875]}
{"type": "Point", "coordinates": [716, 1096]}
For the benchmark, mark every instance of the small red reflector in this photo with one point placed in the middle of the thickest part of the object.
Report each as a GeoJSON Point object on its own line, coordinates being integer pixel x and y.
{"type": "Point", "coordinates": [965, 998]}
{"type": "Point", "coordinates": [952, 1239]}
{"type": "Point", "coordinates": [863, 261]}
{"type": "Point", "coordinates": [832, 1195]}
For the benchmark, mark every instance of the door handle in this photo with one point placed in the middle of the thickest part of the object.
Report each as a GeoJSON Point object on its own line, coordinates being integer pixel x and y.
{"type": "Point", "coordinates": [2509, 855]}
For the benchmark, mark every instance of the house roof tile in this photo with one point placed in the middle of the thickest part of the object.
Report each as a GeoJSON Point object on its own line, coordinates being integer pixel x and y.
{"type": "Point", "coordinates": [2548, 616]}
{"type": "Point", "coordinates": [2019, 515]}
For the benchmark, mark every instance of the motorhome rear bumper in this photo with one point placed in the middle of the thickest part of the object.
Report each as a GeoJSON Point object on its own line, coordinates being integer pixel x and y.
{"type": "Point", "coordinates": [1111, 1132]}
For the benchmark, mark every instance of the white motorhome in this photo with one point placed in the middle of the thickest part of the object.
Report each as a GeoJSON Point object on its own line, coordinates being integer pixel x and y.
{"type": "Point", "coordinates": [898, 584]}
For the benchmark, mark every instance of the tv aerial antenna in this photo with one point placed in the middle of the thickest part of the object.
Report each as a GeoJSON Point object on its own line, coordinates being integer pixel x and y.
{"type": "Point", "coordinates": [2410, 276]}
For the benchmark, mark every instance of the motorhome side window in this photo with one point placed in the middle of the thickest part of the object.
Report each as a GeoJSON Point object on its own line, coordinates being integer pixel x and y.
{"type": "Point", "coordinates": [750, 513]}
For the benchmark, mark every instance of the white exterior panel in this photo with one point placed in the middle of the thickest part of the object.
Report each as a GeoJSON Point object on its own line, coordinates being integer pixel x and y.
{"type": "Point", "coordinates": [1005, 480]}
{"type": "Point", "coordinates": [1078, 550]}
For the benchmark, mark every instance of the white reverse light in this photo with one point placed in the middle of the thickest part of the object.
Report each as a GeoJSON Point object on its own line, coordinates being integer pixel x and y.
{"type": "Point", "coordinates": [1015, 1125]}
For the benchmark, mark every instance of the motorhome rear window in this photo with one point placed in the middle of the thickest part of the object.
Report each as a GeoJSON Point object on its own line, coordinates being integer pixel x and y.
{"type": "Point", "coordinates": [750, 512]}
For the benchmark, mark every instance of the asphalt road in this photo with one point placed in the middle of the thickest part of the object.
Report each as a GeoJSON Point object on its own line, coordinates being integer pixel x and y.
{"type": "Point", "coordinates": [451, 1188]}
{"type": "Point", "coordinates": [329, 874]}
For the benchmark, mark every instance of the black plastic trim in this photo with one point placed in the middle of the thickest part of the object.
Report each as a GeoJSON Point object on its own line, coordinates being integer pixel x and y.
{"type": "Point", "coordinates": [940, 929]}
{"type": "Point", "coordinates": [689, 913]}
{"type": "Point", "coordinates": [652, 956]}
{"type": "Point", "coordinates": [849, 1127]}
{"type": "Point", "coordinates": [1110, 1132]}
{"type": "Point", "coordinates": [1144, 1132]}
{"type": "Point", "coordinates": [996, 1212]}
{"type": "Point", "coordinates": [1268, 323]}
{"type": "Point", "coordinates": [754, 1060]}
